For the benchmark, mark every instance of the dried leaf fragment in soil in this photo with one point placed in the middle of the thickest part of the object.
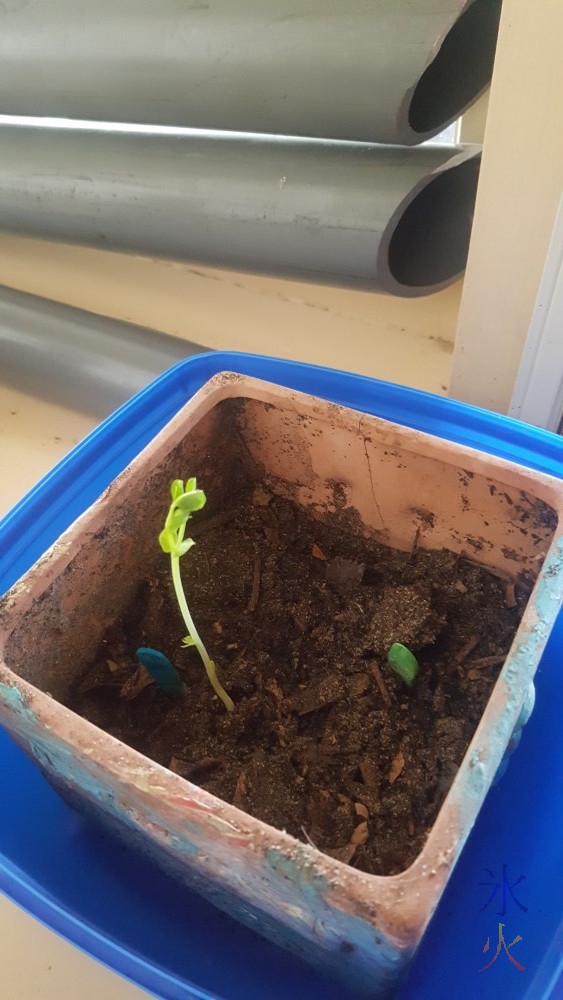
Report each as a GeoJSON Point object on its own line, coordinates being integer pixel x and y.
{"type": "Point", "coordinates": [397, 766]}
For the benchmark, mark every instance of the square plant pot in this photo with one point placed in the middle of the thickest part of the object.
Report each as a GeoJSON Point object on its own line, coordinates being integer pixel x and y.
{"type": "Point", "coordinates": [394, 485]}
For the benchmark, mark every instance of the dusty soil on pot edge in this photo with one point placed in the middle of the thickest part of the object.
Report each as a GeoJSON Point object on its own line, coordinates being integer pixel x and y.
{"type": "Point", "coordinates": [325, 742]}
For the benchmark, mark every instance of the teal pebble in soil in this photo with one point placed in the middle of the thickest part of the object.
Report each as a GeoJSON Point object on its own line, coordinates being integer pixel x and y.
{"type": "Point", "coordinates": [161, 670]}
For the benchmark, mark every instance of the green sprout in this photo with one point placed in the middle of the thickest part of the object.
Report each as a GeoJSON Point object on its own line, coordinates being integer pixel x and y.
{"type": "Point", "coordinates": [403, 662]}
{"type": "Point", "coordinates": [186, 499]}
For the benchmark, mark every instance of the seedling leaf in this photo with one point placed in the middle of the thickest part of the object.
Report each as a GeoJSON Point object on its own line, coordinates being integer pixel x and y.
{"type": "Point", "coordinates": [403, 662]}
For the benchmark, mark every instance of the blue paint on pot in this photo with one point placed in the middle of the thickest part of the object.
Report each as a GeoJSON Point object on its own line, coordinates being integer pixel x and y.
{"type": "Point", "coordinates": [514, 740]}
{"type": "Point", "coordinates": [184, 845]}
{"type": "Point", "coordinates": [351, 947]}
{"type": "Point", "coordinates": [518, 674]}
{"type": "Point", "coordinates": [477, 775]}
{"type": "Point", "coordinates": [65, 769]}
{"type": "Point", "coordinates": [57, 761]}
{"type": "Point", "coordinates": [14, 699]}
{"type": "Point", "coordinates": [299, 870]}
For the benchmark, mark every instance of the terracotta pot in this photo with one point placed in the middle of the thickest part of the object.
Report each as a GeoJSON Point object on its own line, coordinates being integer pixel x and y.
{"type": "Point", "coordinates": [400, 481]}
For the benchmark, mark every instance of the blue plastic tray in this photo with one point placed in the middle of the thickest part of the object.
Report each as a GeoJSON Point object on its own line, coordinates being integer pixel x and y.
{"type": "Point", "coordinates": [128, 915]}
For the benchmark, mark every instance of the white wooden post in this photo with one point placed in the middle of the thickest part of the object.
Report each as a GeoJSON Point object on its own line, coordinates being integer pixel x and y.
{"type": "Point", "coordinates": [519, 191]}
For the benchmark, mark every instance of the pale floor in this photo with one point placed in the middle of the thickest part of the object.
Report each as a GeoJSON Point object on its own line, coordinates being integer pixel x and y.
{"type": "Point", "coordinates": [34, 962]}
{"type": "Point", "coordinates": [34, 435]}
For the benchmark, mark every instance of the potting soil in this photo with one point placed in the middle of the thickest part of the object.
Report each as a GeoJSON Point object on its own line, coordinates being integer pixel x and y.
{"type": "Point", "coordinates": [326, 741]}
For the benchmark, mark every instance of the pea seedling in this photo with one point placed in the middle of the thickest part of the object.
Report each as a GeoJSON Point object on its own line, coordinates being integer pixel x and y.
{"type": "Point", "coordinates": [186, 500]}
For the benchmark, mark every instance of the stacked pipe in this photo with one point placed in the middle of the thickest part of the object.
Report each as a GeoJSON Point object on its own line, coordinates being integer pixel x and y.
{"type": "Point", "coordinates": [78, 359]}
{"type": "Point", "coordinates": [312, 171]}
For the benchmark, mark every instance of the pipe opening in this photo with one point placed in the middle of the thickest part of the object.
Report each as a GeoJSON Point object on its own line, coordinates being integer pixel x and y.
{"type": "Point", "coordinates": [430, 242]}
{"type": "Point", "coordinates": [461, 69]}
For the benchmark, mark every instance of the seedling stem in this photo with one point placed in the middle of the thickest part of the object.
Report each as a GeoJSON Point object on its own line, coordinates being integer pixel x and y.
{"type": "Point", "coordinates": [186, 499]}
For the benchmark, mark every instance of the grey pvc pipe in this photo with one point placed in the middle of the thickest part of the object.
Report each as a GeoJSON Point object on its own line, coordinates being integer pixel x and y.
{"type": "Point", "coordinates": [372, 217]}
{"type": "Point", "coordinates": [78, 359]}
{"type": "Point", "coordinates": [392, 71]}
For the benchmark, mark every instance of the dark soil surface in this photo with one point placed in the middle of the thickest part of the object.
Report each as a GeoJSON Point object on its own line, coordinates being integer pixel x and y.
{"type": "Point", "coordinates": [325, 741]}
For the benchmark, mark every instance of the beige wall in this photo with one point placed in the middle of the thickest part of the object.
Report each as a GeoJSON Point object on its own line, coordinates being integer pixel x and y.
{"type": "Point", "coordinates": [401, 340]}
{"type": "Point", "coordinates": [474, 121]}
{"type": "Point", "coordinates": [519, 190]}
